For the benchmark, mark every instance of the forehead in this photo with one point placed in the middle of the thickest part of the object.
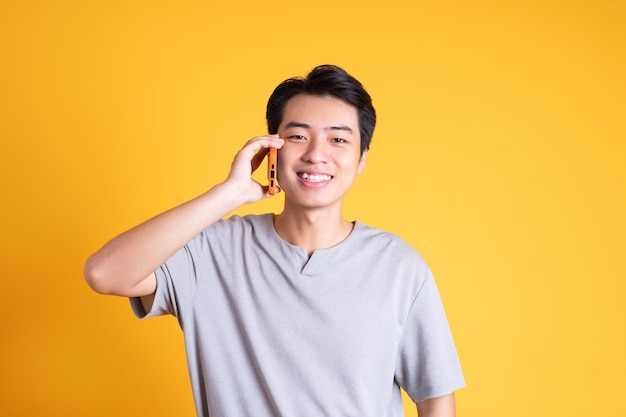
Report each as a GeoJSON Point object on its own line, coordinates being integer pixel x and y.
{"type": "Point", "coordinates": [320, 112]}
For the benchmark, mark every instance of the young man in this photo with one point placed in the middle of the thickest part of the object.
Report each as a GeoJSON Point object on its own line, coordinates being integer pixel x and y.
{"type": "Point", "coordinates": [297, 314]}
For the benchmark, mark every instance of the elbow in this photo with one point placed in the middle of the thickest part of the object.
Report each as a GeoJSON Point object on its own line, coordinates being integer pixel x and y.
{"type": "Point", "coordinates": [96, 278]}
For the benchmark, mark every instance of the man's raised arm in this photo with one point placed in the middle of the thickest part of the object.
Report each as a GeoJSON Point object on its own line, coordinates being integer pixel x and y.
{"type": "Point", "coordinates": [125, 265]}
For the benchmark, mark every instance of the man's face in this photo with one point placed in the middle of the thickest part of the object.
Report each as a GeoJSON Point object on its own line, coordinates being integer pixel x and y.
{"type": "Point", "coordinates": [321, 156]}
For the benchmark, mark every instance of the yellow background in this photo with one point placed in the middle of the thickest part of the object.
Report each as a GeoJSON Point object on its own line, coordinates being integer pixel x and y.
{"type": "Point", "coordinates": [498, 155]}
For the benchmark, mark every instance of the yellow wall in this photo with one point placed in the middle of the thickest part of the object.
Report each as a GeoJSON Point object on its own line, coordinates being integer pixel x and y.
{"type": "Point", "coordinates": [498, 155]}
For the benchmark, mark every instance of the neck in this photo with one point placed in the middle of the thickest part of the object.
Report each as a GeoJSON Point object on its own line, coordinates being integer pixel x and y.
{"type": "Point", "coordinates": [312, 230]}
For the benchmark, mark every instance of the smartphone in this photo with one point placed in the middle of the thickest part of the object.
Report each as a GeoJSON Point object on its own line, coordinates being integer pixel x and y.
{"type": "Point", "coordinates": [271, 171]}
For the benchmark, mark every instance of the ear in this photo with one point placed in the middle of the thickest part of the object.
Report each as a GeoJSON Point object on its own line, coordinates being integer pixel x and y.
{"type": "Point", "coordinates": [362, 162]}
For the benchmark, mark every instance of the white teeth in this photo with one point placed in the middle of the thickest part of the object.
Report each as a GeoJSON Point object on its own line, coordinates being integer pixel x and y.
{"type": "Point", "coordinates": [316, 178]}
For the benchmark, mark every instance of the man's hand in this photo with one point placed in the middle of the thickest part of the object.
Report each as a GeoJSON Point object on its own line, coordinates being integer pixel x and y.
{"type": "Point", "coordinates": [246, 162]}
{"type": "Point", "coordinates": [125, 265]}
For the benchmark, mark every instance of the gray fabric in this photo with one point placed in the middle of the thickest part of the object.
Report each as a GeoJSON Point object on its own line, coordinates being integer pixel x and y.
{"type": "Point", "coordinates": [270, 332]}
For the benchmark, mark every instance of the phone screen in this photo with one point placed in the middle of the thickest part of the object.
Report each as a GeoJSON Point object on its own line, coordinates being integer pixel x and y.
{"type": "Point", "coordinates": [271, 171]}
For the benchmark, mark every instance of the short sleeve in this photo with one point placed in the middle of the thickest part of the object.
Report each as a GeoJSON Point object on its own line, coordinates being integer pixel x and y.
{"type": "Point", "coordinates": [427, 365]}
{"type": "Point", "coordinates": [176, 285]}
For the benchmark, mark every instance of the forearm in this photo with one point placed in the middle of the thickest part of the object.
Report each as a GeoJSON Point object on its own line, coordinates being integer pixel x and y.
{"type": "Point", "coordinates": [125, 265]}
{"type": "Point", "coordinates": [125, 261]}
{"type": "Point", "coordinates": [437, 407]}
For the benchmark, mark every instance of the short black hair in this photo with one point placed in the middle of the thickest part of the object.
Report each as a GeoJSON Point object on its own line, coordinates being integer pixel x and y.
{"type": "Point", "coordinates": [324, 80]}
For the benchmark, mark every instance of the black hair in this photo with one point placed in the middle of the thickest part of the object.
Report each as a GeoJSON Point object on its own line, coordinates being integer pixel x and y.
{"type": "Point", "coordinates": [324, 80]}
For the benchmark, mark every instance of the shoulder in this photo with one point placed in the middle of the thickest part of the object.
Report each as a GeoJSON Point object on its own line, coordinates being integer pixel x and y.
{"type": "Point", "coordinates": [248, 223]}
{"type": "Point", "coordinates": [388, 247]}
{"type": "Point", "coordinates": [231, 233]}
{"type": "Point", "coordinates": [375, 237]}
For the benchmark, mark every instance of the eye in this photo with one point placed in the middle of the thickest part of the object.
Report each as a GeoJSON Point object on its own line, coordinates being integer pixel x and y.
{"type": "Point", "coordinates": [299, 137]}
{"type": "Point", "coordinates": [339, 140]}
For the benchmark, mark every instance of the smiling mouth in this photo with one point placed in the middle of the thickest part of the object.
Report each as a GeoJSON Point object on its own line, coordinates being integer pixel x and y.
{"type": "Point", "coordinates": [315, 177]}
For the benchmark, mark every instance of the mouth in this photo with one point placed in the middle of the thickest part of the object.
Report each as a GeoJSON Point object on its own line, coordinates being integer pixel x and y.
{"type": "Point", "coordinates": [314, 177]}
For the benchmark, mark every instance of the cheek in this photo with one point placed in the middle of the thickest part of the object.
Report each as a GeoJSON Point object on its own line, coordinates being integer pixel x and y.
{"type": "Point", "coordinates": [280, 164]}
{"type": "Point", "coordinates": [285, 156]}
{"type": "Point", "coordinates": [353, 163]}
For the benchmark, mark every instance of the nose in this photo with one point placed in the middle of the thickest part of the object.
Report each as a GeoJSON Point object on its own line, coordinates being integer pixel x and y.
{"type": "Point", "coordinates": [317, 151]}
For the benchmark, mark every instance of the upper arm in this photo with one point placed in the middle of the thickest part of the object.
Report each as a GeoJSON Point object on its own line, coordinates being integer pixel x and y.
{"type": "Point", "coordinates": [146, 287]}
{"type": "Point", "coordinates": [145, 291]}
{"type": "Point", "coordinates": [444, 406]}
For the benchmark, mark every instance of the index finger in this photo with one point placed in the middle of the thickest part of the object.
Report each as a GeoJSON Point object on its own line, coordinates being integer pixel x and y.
{"type": "Point", "coordinates": [260, 146]}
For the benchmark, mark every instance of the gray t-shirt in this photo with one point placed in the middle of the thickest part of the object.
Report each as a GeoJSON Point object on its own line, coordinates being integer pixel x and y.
{"type": "Point", "coordinates": [271, 332]}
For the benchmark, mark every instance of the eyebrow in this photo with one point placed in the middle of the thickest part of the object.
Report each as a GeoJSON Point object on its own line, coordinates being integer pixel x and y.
{"type": "Point", "coordinates": [306, 126]}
